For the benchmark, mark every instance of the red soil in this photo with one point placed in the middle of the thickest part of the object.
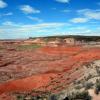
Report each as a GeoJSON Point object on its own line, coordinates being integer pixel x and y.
{"type": "Point", "coordinates": [33, 82]}
{"type": "Point", "coordinates": [63, 50]}
{"type": "Point", "coordinates": [58, 73]}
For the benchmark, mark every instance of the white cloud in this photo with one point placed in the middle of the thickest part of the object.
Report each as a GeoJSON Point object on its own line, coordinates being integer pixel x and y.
{"type": "Point", "coordinates": [81, 30]}
{"type": "Point", "coordinates": [65, 11]}
{"type": "Point", "coordinates": [30, 28]}
{"type": "Point", "coordinates": [28, 9]}
{"type": "Point", "coordinates": [87, 15]}
{"type": "Point", "coordinates": [43, 25]}
{"type": "Point", "coordinates": [8, 23]}
{"type": "Point", "coordinates": [3, 4]}
{"type": "Point", "coordinates": [63, 1]}
{"type": "Point", "coordinates": [90, 14]}
{"type": "Point", "coordinates": [93, 15]}
{"type": "Point", "coordinates": [12, 30]}
{"type": "Point", "coordinates": [6, 14]}
{"type": "Point", "coordinates": [35, 19]}
{"type": "Point", "coordinates": [79, 20]}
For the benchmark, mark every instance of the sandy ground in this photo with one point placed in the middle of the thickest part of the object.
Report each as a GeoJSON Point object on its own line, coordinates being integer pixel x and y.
{"type": "Point", "coordinates": [94, 96]}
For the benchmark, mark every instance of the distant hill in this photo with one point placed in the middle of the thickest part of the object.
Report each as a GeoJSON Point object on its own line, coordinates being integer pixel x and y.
{"type": "Point", "coordinates": [76, 37]}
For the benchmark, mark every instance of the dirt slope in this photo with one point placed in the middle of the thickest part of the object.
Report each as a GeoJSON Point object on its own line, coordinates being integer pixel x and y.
{"type": "Point", "coordinates": [45, 69]}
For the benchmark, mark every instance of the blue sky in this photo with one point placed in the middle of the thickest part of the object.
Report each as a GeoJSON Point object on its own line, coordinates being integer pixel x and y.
{"type": "Point", "coordinates": [32, 18]}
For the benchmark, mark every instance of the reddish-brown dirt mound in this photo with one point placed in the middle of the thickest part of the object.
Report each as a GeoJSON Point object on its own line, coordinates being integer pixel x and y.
{"type": "Point", "coordinates": [64, 50]}
{"type": "Point", "coordinates": [33, 82]}
{"type": "Point", "coordinates": [52, 69]}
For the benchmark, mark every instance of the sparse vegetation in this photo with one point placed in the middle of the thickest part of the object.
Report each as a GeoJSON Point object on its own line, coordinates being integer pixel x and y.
{"type": "Point", "coordinates": [20, 97]}
{"type": "Point", "coordinates": [88, 77]}
{"type": "Point", "coordinates": [79, 96]}
{"type": "Point", "coordinates": [96, 91]}
{"type": "Point", "coordinates": [88, 85]}
{"type": "Point", "coordinates": [28, 47]}
{"type": "Point", "coordinates": [1, 48]}
{"type": "Point", "coordinates": [98, 70]}
{"type": "Point", "coordinates": [40, 95]}
{"type": "Point", "coordinates": [53, 97]}
{"type": "Point", "coordinates": [97, 86]}
{"type": "Point", "coordinates": [78, 87]}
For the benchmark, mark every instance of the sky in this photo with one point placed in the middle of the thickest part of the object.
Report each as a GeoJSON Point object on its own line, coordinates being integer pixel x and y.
{"type": "Point", "coordinates": [36, 18]}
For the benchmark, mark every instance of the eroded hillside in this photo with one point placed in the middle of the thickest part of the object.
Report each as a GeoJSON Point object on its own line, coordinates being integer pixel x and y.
{"type": "Point", "coordinates": [35, 69]}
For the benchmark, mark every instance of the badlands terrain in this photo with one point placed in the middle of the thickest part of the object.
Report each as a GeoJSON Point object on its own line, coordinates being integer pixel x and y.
{"type": "Point", "coordinates": [53, 69]}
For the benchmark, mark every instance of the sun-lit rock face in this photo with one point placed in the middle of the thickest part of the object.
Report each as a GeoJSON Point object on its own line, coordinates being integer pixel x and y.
{"type": "Point", "coordinates": [69, 40]}
{"type": "Point", "coordinates": [55, 41]}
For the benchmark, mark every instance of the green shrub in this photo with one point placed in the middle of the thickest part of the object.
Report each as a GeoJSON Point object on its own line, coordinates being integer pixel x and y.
{"type": "Point", "coordinates": [88, 85]}
{"type": "Point", "coordinates": [96, 91]}
{"type": "Point", "coordinates": [53, 97]}
{"type": "Point", "coordinates": [83, 95]}
{"type": "Point", "coordinates": [20, 97]}
{"type": "Point", "coordinates": [97, 86]}
{"type": "Point", "coordinates": [28, 47]}
{"type": "Point", "coordinates": [80, 96]}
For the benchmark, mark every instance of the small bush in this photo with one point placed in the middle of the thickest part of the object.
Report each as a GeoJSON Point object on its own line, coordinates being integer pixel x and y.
{"type": "Point", "coordinates": [28, 47]}
{"type": "Point", "coordinates": [97, 87]}
{"type": "Point", "coordinates": [84, 95]}
{"type": "Point", "coordinates": [20, 97]}
{"type": "Point", "coordinates": [88, 77]}
{"type": "Point", "coordinates": [53, 97]}
{"type": "Point", "coordinates": [96, 91]}
{"type": "Point", "coordinates": [78, 87]}
{"type": "Point", "coordinates": [81, 96]}
{"type": "Point", "coordinates": [88, 85]}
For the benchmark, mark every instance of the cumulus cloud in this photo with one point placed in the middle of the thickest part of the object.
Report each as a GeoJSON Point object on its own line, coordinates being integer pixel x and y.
{"type": "Point", "coordinates": [87, 15]}
{"type": "Point", "coordinates": [43, 25]}
{"type": "Point", "coordinates": [28, 9]}
{"type": "Point", "coordinates": [80, 30]}
{"type": "Point", "coordinates": [27, 30]}
{"type": "Point", "coordinates": [12, 30]}
{"type": "Point", "coordinates": [6, 14]}
{"type": "Point", "coordinates": [65, 10]}
{"type": "Point", "coordinates": [8, 23]}
{"type": "Point", "coordinates": [90, 14]}
{"type": "Point", "coordinates": [21, 28]}
{"type": "Point", "coordinates": [79, 20]}
{"type": "Point", "coordinates": [63, 1]}
{"type": "Point", "coordinates": [3, 4]}
{"type": "Point", "coordinates": [35, 19]}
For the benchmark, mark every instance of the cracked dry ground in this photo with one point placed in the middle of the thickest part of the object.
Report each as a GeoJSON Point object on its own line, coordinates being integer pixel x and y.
{"type": "Point", "coordinates": [44, 69]}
